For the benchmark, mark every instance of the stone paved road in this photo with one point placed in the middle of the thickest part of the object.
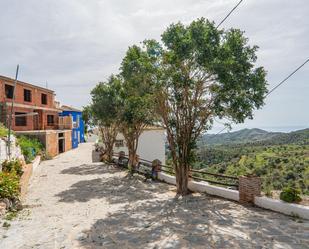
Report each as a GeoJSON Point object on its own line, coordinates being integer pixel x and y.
{"type": "Point", "coordinates": [74, 202]}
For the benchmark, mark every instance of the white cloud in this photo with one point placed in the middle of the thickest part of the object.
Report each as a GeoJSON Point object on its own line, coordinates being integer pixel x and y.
{"type": "Point", "coordinates": [73, 44]}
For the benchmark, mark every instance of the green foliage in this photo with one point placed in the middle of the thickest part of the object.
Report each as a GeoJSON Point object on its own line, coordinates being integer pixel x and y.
{"type": "Point", "coordinates": [9, 185]}
{"type": "Point", "coordinates": [202, 72]}
{"type": "Point", "coordinates": [279, 166]}
{"type": "Point", "coordinates": [290, 194]}
{"type": "Point", "coordinates": [3, 131]}
{"type": "Point", "coordinates": [30, 147]}
{"type": "Point", "coordinates": [86, 116]}
{"type": "Point", "coordinates": [257, 137]}
{"type": "Point", "coordinates": [12, 166]}
{"type": "Point", "coordinates": [11, 215]}
{"type": "Point", "coordinates": [136, 95]}
{"type": "Point", "coordinates": [222, 60]}
{"type": "Point", "coordinates": [105, 106]}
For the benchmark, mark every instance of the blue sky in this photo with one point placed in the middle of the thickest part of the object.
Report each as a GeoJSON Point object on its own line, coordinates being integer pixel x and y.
{"type": "Point", "coordinates": [73, 44]}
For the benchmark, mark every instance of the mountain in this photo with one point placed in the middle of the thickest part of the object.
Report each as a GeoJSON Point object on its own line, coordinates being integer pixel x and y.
{"type": "Point", "coordinates": [256, 136]}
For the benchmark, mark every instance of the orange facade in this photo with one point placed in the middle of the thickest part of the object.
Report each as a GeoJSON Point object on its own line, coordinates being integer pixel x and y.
{"type": "Point", "coordinates": [34, 106]}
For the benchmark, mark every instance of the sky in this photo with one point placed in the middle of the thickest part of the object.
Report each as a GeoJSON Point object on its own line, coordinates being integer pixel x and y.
{"type": "Point", "coordinates": [71, 45]}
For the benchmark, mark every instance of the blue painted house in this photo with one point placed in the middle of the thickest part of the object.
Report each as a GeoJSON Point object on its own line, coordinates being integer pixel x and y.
{"type": "Point", "coordinates": [78, 130]}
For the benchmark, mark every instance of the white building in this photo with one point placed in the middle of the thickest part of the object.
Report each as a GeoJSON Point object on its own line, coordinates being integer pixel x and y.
{"type": "Point", "coordinates": [151, 144]}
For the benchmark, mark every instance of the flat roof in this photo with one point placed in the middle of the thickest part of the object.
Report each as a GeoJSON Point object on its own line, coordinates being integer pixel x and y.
{"type": "Point", "coordinates": [25, 83]}
{"type": "Point", "coordinates": [69, 108]}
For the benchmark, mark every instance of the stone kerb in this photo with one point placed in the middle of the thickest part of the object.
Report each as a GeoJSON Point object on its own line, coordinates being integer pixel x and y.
{"type": "Point", "coordinates": [249, 187]}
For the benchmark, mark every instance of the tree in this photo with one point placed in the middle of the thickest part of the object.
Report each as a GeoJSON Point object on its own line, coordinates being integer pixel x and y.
{"type": "Point", "coordinates": [137, 98]}
{"type": "Point", "coordinates": [86, 116]}
{"type": "Point", "coordinates": [203, 73]}
{"type": "Point", "coordinates": [105, 112]}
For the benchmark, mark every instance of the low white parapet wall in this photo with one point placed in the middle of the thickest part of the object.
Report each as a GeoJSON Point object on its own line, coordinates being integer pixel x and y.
{"type": "Point", "coordinates": [263, 202]}
{"type": "Point", "coordinates": [167, 178]}
{"type": "Point", "coordinates": [203, 187]}
{"type": "Point", "coordinates": [214, 190]}
{"type": "Point", "coordinates": [282, 207]}
{"type": "Point", "coordinates": [36, 162]}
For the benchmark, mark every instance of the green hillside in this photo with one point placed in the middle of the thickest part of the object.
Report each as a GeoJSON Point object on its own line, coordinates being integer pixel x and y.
{"type": "Point", "coordinates": [281, 159]}
{"type": "Point", "coordinates": [256, 136]}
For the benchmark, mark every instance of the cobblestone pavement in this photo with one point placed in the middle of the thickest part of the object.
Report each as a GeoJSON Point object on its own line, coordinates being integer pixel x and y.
{"type": "Point", "coordinates": [74, 202]}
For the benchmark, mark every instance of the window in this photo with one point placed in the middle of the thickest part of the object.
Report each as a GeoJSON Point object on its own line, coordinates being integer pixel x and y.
{"type": "Point", "coordinates": [76, 123]}
{"type": "Point", "coordinates": [50, 119]}
{"type": "Point", "coordinates": [20, 120]}
{"type": "Point", "coordinates": [27, 95]}
{"type": "Point", "coordinates": [119, 143]}
{"type": "Point", "coordinates": [44, 99]}
{"type": "Point", "coordinates": [9, 91]}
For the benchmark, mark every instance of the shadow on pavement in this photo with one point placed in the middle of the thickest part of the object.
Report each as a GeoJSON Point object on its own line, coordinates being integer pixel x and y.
{"type": "Point", "coordinates": [90, 169]}
{"type": "Point", "coordinates": [151, 218]}
{"type": "Point", "coordinates": [114, 189]}
{"type": "Point", "coordinates": [191, 222]}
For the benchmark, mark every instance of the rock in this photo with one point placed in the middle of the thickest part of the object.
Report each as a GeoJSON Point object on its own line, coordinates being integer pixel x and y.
{"type": "Point", "coordinates": [7, 202]}
{"type": "Point", "coordinates": [2, 208]}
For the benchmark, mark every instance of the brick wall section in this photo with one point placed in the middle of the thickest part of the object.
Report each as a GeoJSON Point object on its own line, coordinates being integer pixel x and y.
{"type": "Point", "coordinates": [249, 186]}
{"type": "Point", "coordinates": [36, 92]}
{"type": "Point", "coordinates": [52, 144]}
{"type": "Point", "coordinates": [68, 140]}
{"type": "Point", "coordinates": [37, 122]}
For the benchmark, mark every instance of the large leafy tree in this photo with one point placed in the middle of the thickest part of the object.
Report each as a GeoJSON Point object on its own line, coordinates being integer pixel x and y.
{"type": "Point", "coordinates": [105, 110]}
{"type": "Point", "coordinates": [202, 73]}
{"type": "Point", "coordinates": [137, 97]}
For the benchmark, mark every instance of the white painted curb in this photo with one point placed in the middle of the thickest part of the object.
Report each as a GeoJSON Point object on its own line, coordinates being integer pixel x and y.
{"type": "Point", "coordinates": [282, 207]}
{"type": "Point", "coordinates": [263, 202]}
{"type": "Point", "coordinates": [203, 187]}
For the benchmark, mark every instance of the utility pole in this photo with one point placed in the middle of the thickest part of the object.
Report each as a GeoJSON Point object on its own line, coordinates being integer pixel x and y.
{"type": "Point", "coordinates": [11, 113]}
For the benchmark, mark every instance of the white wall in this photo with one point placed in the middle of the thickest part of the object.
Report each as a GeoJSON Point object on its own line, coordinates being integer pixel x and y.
{"type": "Point", "coordinates": [151, 145]}
{"type": "Point", "coordinates": [263, 202]}
{"type": "Point", "coordinates": [15, 150]}
{"type": "Point", "coordinates": [282, 207]}
{"type": "Point", "coordinates": [203, 187]}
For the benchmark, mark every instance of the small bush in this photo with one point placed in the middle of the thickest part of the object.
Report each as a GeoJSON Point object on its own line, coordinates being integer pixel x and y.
{"type": "Point", "coordinates": [290, 194]}
{"type": "Point", "coordinates": [30, 147]}
{"type": "Point", "coordinates": [3, 131]}
{"type": "Point", "coordinates": [9, 185]}
{"type": "Point", "coordinates": [12, 166]}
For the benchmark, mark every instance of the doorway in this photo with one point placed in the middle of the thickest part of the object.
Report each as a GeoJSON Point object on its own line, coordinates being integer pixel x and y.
{"type": "Point", "coordinates": [61, 143]}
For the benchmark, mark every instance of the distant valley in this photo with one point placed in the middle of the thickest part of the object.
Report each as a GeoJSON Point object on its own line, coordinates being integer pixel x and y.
{"type": "Point", "coordinates": [257, 136]}
{"type": "Point", "coordinates": [280, 159]}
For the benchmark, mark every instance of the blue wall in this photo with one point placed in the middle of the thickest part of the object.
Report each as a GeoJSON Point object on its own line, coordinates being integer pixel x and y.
{"type": "Point", "coordinates": [78, 135]}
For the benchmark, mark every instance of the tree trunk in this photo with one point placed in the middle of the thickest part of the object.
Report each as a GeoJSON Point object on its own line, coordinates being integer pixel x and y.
{"type": "Point", "coordinates": [182, 176]}
{"type": "Point", "coordinates": [109, 152]}
{"type": "Point", "coordinates": [132, 156]}
{"type": "Point", "coordinates": [109, 135]}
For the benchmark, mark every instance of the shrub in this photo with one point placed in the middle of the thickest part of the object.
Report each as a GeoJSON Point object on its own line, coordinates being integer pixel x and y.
{"type": "Point", "coordinates": [12, 166]}
{"type": "Point", "coordinates": [30, 147]}
{"type": "Point", "coordinates": [290, 194]}
{"type": "Point", "coordinates": [9, 185]}
{"type": "Point", "coordinates": [3, 131]}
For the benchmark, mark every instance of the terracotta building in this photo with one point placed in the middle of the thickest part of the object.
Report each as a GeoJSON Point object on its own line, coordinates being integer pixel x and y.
{"type": "Point", "coordinates": [34, 106]}
{"type": "Point", "coordinates": [35, 114]}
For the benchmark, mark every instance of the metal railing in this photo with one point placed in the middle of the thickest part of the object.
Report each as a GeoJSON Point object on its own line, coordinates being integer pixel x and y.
{"type": "Point", "coordinates": [218, 179]}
